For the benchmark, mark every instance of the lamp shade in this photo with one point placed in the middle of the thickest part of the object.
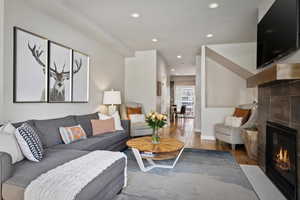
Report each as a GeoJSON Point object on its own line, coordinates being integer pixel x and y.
{"type": "Point", "coordinates": [112, 97]}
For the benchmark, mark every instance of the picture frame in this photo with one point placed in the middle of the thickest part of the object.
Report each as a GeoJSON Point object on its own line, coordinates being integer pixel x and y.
{"type": "Point", "coordinates": [60, 65]}
{"type": "Point", "coordinates": [48, 72]}
{"type": "Point", "coordinates": [30, 71]}
{"type": "Point", "coordinates": [81, 76]}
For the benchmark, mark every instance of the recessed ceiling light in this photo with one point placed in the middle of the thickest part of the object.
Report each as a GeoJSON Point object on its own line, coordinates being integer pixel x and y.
{"type": "Point", "coordinates": [209, 35]}
{"type": "Point", "coordinates": [154, 40]}
{"type": "Point", "coordinates": [213, 5]}
{"type": "Point", "coordinates": [135, 15]}
{"type": "Point", "coordinates": [172, 70]}
{"type": "Point", "coordinates": [179, 56]}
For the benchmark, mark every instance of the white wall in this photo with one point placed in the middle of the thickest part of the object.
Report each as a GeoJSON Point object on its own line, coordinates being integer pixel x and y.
{"type": "Point", "coordinates": [209, 116]}
{"type": "Point", "coordinates": [263, 7]}
{"type": "Point", "coordinates": [163, 75]}
{"type": "Point", "coordinates": [140, 79]}
{"type": "Point", "coordinates": [197, 121]}
{"type": "Point", "coordinates": [243, 54]}
{"type": "Point", "coordinates": [1, 57]}
{"type": "Point", "coordinates": [221, 89]}
{"type": "Point", "coordinates": [106, 66]}
{"type": "Point", "coordinates": [184, 80]}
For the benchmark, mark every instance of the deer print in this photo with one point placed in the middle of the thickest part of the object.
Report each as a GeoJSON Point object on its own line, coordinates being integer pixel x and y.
{"type": "Point", "coordinates": [57, 92]}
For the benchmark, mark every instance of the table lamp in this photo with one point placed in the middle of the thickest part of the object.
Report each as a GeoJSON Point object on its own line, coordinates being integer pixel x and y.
{"type": "Point", "coordinates": [112, 98]}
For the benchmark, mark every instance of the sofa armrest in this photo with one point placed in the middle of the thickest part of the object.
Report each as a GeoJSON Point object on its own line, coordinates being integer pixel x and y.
{"type": "Point", "coordinates": [126, 125]}
{"type": "Point", "coordinates": [6, 168]}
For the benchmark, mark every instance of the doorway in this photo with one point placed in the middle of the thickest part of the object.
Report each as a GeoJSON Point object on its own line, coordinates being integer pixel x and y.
{"type": "Point", "coordinates": [185, 96]}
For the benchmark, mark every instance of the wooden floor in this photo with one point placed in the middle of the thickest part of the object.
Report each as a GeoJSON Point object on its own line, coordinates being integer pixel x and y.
{"type": "Point", "coordinates": [184, 131]}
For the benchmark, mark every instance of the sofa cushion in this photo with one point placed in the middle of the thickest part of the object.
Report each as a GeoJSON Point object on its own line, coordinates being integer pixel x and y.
{"type": "Point", "coordinates": [49, 129]}
{"type": "Point", "coordinates": [85, 122]}
{"type": "Point", "coordinates": [27, 171]}
{"type": "Point", "coordinates": [226, 130]}
{"type": "Point", "coordinates": [18, 124]}
{"type": "Point", "coordinates": [99, 142]}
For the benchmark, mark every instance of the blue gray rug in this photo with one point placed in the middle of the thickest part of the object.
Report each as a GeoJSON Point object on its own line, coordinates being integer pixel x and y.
{"type": "Point", "coordinates": [198, 175]}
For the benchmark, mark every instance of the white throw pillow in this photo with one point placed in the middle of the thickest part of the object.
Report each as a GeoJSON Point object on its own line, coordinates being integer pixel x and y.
{"type": "Point", "coordinates": [228, 121]}
{"type": "Point", "coordinates": [233, 121]}
{"type": "Point", "coordinates": [9, 143]}
{"type": "Point", "coordinates": [237, 121]}
{"type": "Point", "coordinates": [116, 117]}
{"type": "Point", "coordinates": [135, 118]}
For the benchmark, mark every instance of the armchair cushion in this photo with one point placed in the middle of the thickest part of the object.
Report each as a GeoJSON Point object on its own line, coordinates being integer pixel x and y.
{"type": "Point", "coordinates": [227, 130]}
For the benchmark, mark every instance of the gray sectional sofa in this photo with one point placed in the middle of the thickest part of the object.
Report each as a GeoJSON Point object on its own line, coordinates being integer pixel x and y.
{"type": "Point", "coordinates": [15, 178]}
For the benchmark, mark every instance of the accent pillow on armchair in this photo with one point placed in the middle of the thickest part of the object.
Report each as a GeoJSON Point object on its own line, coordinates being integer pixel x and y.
{"type": "Point", "coordinates": [134, 111]}
{"type": "Point", "coordinates": [244, 113]}
{"type": "Point", "coordinates": [233, 121]}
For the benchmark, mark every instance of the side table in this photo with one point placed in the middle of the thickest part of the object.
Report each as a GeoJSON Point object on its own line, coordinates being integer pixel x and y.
{"type": "Point", "coordinates": [250, 138]}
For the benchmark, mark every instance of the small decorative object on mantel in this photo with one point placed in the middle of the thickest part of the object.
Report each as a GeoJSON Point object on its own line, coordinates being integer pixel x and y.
{"type": "Point", "coordinates": [250, 137]}
{"type": "Point", "coordinates": [156, 121]}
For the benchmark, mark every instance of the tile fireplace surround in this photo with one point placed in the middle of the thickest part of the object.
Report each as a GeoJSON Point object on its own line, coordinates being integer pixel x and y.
{"type": "Point", "coordinates": [278, 102]}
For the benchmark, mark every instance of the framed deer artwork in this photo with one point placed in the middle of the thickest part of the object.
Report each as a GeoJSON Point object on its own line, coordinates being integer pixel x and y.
{"type": "Point", "coordinates": [46, 71]}
{"type": "Point", "coordinates": [30, 67]}
{"type": "Point", "coordinates": [80, 77]}
{"type": "Point", "coordinates": [60, 73]}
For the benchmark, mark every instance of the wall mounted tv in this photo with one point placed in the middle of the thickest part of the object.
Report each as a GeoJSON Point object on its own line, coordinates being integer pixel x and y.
{"type": "Point", "coordinates": [278, 32]}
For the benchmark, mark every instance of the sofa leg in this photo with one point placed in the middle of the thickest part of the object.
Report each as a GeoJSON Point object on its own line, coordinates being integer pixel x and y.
{"type": "Point", "coordinates": [233, 147]}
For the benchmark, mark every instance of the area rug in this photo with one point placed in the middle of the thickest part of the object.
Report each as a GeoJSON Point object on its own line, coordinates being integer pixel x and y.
{"type": "Point", "coordinates": [198, 175]}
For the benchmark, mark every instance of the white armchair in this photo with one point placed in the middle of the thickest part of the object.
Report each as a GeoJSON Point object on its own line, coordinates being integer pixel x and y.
{"type": "Point", "coordinates": [137, 128]}
{"type": "Point", "coordinates": [232, 135]}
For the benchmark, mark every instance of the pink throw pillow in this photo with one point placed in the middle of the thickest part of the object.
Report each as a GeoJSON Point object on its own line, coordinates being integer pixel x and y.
{"type": "Point", "coordinates": [103, 126]}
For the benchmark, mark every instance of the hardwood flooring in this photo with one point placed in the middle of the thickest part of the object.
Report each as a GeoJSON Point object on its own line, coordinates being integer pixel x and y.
{"type": "Point", "coordinates": [184, 131]}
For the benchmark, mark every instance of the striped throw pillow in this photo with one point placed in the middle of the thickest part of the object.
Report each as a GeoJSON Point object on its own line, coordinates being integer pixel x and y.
{"type": "Point", "coordinates": [72, 134]}
{"type": "Point", "coordinates": [29, 142]}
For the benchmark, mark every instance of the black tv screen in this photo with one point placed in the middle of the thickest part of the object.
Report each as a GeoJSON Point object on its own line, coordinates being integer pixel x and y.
{"type": "Point", "coordinates": [278, 33]}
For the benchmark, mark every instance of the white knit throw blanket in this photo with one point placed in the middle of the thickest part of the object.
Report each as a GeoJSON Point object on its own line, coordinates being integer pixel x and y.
{"type": "Point", "coordinates": [66, 181]}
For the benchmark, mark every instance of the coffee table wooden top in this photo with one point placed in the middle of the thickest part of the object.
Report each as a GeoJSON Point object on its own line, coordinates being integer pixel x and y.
{"type": "Point", "coordinates": [166, 145]}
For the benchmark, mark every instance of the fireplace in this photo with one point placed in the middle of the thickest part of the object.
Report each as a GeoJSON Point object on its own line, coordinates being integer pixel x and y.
{"type": "Point", "coordinates": [281, 157]}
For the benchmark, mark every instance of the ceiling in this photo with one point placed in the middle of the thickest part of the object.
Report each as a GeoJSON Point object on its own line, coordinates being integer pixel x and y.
{"type": "Point", "coordinates": [180, 26]}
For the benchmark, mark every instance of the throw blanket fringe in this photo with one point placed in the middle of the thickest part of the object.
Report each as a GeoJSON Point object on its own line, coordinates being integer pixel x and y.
{"type": "Point", "coordinates": [66, 181]}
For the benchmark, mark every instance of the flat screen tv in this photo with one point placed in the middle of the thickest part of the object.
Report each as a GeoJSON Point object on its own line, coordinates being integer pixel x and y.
{"type": "Point", "coordinates": [278, 32]}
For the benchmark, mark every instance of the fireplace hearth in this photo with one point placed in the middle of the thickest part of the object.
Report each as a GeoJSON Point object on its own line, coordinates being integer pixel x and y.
{"type": "Point", "coordinates": [281, 158]}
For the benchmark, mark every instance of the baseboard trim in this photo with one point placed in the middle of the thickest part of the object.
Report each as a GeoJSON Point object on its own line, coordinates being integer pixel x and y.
{"type": "Point", "coordinates": [208, 137]}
